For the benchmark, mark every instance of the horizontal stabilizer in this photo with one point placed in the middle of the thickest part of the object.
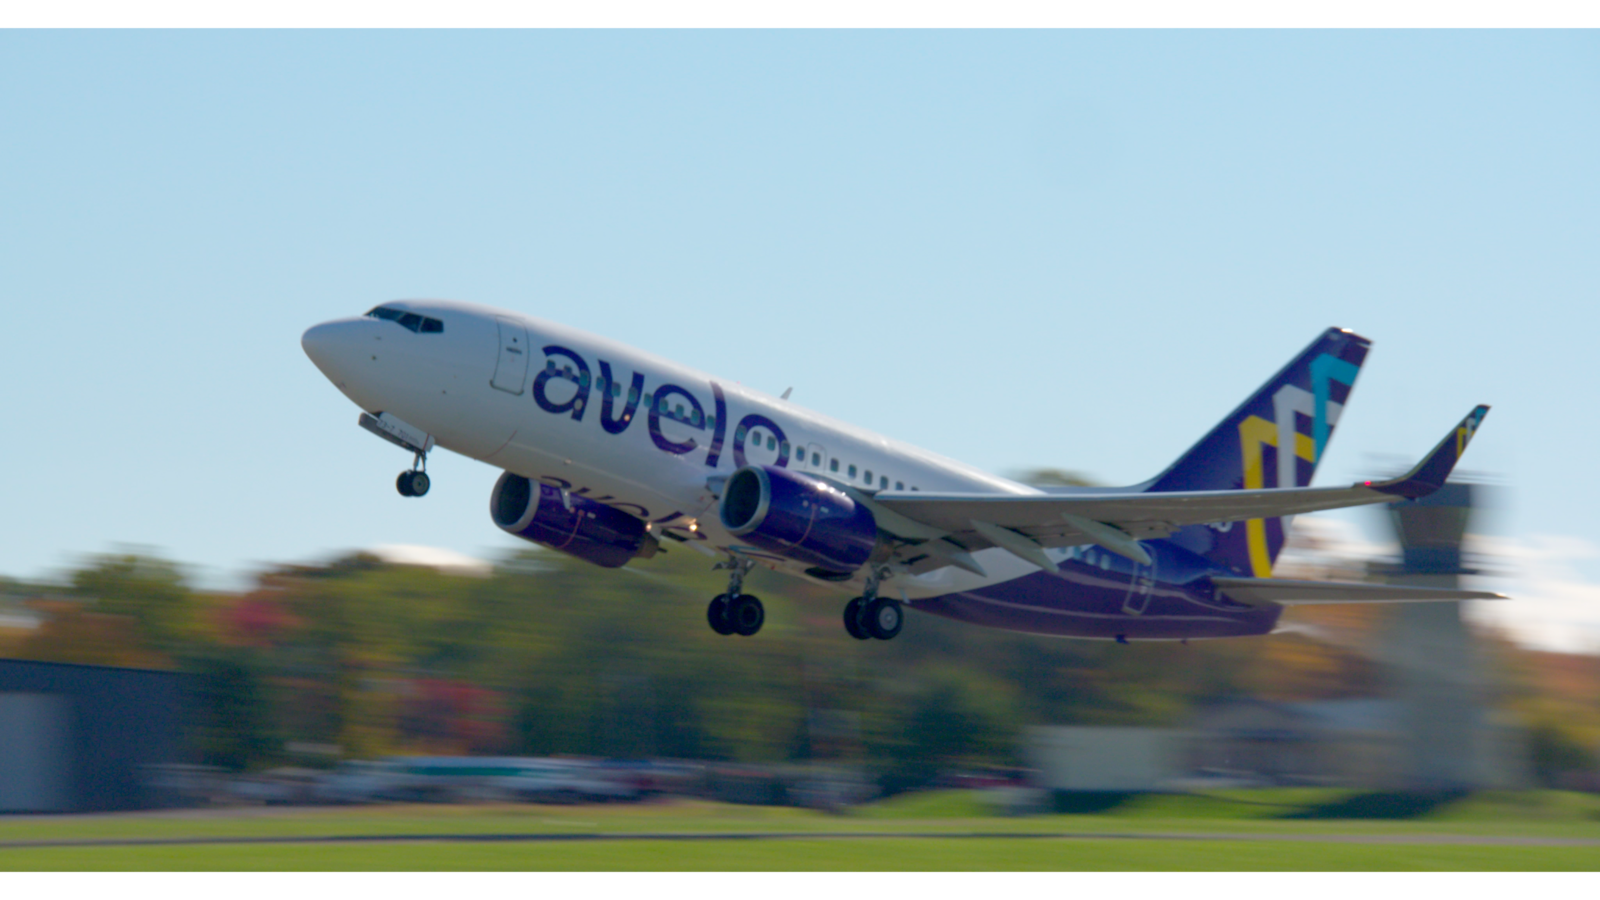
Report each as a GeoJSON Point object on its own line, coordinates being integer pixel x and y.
{"type": "Point", "coordinates": [1296, 593]}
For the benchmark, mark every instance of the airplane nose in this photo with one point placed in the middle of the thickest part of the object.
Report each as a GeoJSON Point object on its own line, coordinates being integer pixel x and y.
{"type": "Point", "coordinates": [315, 342]}
{"type": "Point", "coordinates": [332, 345]}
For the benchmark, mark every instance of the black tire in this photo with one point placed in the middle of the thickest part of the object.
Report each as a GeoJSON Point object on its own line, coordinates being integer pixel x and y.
{"type": "Point", "coordinates": [420, 484]}
{"type": "Point", "coordinates": [883, 618]}
{"type": "Point", "coordinates": [746, 614]}
{"type": "Point", "coordinates": [852, 620]}
{"type": "Point", "coordinates": [717, 615]}
{"type": "Point", "coordinates": [403, 484]}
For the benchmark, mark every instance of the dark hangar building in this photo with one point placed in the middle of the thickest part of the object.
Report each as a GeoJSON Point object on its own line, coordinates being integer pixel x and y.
{"type": "Point", "coordinates": [77, 738]}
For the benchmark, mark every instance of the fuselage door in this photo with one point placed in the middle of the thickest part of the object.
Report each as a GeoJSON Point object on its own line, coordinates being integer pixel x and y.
{"type": "Point", "coordinates": [813, 457]}
{"type": "Point", "coordinates": [1144, 580]}
{"type": "Point", "coordinates": [511, 369]}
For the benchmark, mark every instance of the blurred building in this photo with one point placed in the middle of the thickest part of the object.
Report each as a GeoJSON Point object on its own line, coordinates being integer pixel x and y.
{"type": "Point", "coordinates": [1436, 671]}
{"type": "Point", "coordinates": [79, 738]}
{"type": "Point", "coordinates": [1364, 742]}
{"type": "Point", "coordinates": [1090, 758]}
{"type": "Point", "coordinates": [1339, 742]}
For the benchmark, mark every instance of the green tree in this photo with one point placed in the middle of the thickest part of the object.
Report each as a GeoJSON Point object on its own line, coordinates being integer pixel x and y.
{"type": "Point", "coordinates": [229, 715]}
{"type": "Point", "coordinates": [148, 590]}
{"type": "Point", "coordinates": [955, 718]}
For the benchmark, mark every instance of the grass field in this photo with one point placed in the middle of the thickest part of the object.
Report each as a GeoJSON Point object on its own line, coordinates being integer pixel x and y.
{"type": "Point", "coordinates": [945, 831]}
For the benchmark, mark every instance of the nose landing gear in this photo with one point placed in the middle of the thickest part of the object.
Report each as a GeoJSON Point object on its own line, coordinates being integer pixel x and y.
{"type": "Point", "coordinates": [414, 481]}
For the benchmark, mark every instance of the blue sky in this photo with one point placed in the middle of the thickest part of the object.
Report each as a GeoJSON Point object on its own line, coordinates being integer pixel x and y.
{"type": "Point", "coordinates": [1072, 249]}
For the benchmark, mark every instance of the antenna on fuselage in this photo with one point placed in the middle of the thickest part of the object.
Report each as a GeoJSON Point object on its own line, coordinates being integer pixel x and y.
{"type": "Point", "coordinates": [786, 392]}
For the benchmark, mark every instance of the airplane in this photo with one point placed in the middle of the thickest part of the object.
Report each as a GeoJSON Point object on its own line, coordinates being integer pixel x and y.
{"type": "Point", "coordinates": [611, 454]}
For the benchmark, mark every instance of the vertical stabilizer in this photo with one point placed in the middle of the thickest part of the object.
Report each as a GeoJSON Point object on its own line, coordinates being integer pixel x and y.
{"type": "Point", "coordinates": [1274, 439]}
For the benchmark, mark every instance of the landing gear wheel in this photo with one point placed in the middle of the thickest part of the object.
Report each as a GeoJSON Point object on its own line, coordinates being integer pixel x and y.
{"type": "Point", "coordinates": [883, 617]}
{"type": "Point", "coordinates": [852, 619]}
{"type": "Point", "coordinates": [412, 483]}
{"type": "Point", "coordinates": [745, 614]}
{"type": "Point", "coordinates": [717, 615]}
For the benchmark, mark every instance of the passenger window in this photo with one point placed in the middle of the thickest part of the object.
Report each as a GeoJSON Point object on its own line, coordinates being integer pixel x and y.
{"type": "Point", "coordinates": [883, 483]}
{"type": "Point", "coordinates": [833, 465]}
{"type": "Point", "coordinates": [784, 448]}
{"type": "Point", "coordinates": [741, 433]}
{"type": "Point", "coordinates": [816, 459]}
{"type": "Point", "coordinates": [899, 485]}
{"type": "Point", "coordinates": [868, 477]}
{"type": "Point", "coordinates": [852, 471]}
{"type": "Point", "coordinates": [772, 442]}
{"type": "Point", "coordinates": [633, 395]}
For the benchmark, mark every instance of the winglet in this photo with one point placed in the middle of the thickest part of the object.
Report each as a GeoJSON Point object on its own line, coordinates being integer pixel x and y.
{"type": "Point", "coordinates": [1430, 474]}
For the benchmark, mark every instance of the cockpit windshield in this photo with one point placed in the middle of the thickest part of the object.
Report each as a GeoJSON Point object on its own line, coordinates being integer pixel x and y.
{"type": "Point", "coordinates": [419, 324]}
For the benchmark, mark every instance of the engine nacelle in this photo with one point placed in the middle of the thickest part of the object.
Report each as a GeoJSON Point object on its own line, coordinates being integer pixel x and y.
{"type": "Point", "coordinates": [561, 521]}
{"type": "Point", "coordinates": [801, 517]}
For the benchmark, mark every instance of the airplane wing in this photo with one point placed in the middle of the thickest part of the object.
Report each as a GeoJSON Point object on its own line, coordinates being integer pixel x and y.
{"type": "Point", "coordinates": [949, 526]}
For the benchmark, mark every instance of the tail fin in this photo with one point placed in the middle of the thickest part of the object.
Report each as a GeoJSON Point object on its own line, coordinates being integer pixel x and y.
{"type": "Point", "coordinates": [1274, 439]}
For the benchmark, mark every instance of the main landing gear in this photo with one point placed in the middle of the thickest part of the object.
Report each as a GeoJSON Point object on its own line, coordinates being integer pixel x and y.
{"type": "Point", "coordinates": [736, 612]}
{"type": "Point", "coordinates": [413, 482]}
{"type": "Point", "coordinates": [873, 616]}
{"type": "Point", "coordinates": [866, 617]}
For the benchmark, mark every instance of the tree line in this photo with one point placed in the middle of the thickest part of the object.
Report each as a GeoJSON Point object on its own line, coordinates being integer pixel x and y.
{"type": "Point", "coordinates": [548, 655]}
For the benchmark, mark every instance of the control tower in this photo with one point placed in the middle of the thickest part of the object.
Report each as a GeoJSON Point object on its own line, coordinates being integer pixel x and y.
{"type": "Point", "coordinates": [1448, 742]}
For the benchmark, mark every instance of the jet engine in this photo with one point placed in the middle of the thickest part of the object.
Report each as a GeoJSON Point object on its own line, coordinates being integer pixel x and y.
{"type": "Point", "coordinates": [801, 517]}
{"type": "Point", "coordinates": [574, 525]}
